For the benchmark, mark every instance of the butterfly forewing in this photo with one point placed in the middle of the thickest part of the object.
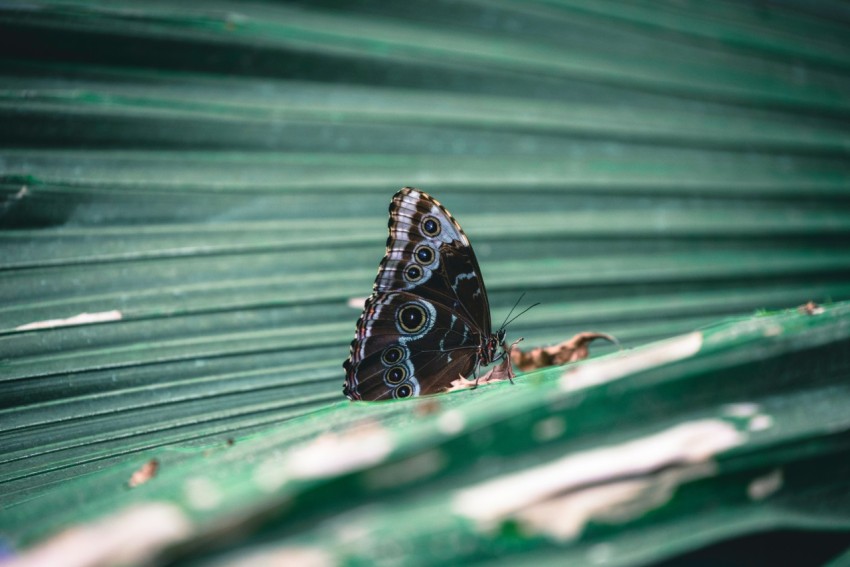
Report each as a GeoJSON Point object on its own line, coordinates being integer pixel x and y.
{"type": "Point", "coordinates": [423, 325]}
{"type": "Point", "coordinates": [453, 276]}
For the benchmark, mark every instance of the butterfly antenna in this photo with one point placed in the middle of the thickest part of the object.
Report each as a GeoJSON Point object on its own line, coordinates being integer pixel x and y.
{"type": "Point", "coordinates": [523, 312]}
{"type": "Point", "coordinates": [512, 310]}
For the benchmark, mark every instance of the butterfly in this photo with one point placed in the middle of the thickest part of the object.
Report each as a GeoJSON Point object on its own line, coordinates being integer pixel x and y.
{"type": "Point", "coordinates": [427, 322]}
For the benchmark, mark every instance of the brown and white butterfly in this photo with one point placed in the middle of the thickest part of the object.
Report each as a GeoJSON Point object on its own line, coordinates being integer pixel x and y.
{"type": "Point", "coordinates": [427, 321]}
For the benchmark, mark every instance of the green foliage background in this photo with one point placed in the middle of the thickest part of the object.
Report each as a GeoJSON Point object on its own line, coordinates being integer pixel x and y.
{"type": "Point", "coordinates": [208, 183]}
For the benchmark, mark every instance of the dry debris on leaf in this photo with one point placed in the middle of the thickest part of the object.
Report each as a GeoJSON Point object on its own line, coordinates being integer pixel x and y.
{"type": "Point", "coordinates": [573, 350]}
{"type": "Point", "coordinates": [810, 308]}
{"type": "Point", "coordinates": [146, 472]}
{"type": "Point", "coordinates": [427, 406]}
{"type": "Point", "coordinates": [502, 371]}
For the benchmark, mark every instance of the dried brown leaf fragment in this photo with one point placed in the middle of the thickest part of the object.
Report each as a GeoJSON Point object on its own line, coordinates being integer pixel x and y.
{"type": "Point", "coordinates": [572, 350]}
{"type": "Point", "coordinates": [146, 472]}
{"type": "Point", "coordinates": [810, 308]}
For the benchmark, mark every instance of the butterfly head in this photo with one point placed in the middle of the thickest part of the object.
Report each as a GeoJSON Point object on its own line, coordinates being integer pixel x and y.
{"type": "Point", "coordinates": [489, 350]}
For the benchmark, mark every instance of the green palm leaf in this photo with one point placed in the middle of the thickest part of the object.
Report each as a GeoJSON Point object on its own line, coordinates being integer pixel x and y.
{"type": "Point", "coordinates": [193, 202]}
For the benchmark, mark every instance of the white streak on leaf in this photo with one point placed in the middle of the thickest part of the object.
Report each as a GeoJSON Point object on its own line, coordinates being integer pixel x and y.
{"type": "Point", "coordinates": [202, 493]}
{"type": "Point", "coordinates": [772, 331]}
{"type": "Point", "coordinates": [407, 471]}
{"type": "Point", "coordinates": [301, 556]}
{"type": "Point", "coordinates": [614, 367]}
{"type": "Point", "coordinates": [569, 491]}
{"type": "Point", "coordinates": [756, 421]}
{"type": "Point", "coordinates": [129, 537]}
{"type": "Point", "coordinates": [764, 486]}
{"type": "Point", "coordinates": [600, 553]}
{"type": "Point", "coordinates": [745, 409]}
{"type": "Point", "coordinates": [549, 428]}
{"type": "Point", "coordinates": [270, 474]}
{"type": "Point", "coordinates": [760, 422]}
{"type": "Point", "coordinates": [451, 422]}
{"type": "Point", "coordinates": [564, 518]}
{"type": "Point", "coordinates": [81, 319]}
{"type": "Point", "coordinates": [331, 455]}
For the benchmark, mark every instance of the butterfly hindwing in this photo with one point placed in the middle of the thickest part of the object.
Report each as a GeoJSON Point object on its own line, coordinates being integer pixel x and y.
{"type": "Point", "coordinates": [422, 327]}
{"type": "Point", "coordinates": [408, 346]}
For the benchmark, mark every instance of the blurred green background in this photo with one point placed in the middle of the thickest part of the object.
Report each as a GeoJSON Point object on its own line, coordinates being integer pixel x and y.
{"type": "Point", "coordinates": [194, 193]}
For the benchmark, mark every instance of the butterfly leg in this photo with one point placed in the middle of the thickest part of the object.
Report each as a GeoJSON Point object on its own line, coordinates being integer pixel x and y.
{"type": "Point", "coordinates": [504, 368]}
{"type": "Point", "coordinates": [509, 366]}
{"type": "Point", "coordinates": [475, 373]}
{"type": "Point", "coordinates": [506, 353]}
{"type": "Point", "coordinates": [501, 370]}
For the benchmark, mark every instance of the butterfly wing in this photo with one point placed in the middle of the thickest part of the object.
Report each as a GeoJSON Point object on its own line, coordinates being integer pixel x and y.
{"type": "Point", "coordinates": [429, 254]}
{"type": "Point", "coordinates": [407, 346]}
{"type": "Point", "coordinates": [423, 324]}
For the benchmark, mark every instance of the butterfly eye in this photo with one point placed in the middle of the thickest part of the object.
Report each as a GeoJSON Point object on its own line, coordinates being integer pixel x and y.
{"type": "Point", "coordinates": [403, 391]}
{"type": "Point", "coordinates": [413, 274]}
{"type": "Point", "coordinates": [430, 226]}
{"type": "Point", "coordinates": [411, 318]}
{"type": "Point", "coordinates": [395, 375]}
{"type": "Point", "coordinates": [392, 355]}
{"type": "Point", "coordinates": [424, 254]}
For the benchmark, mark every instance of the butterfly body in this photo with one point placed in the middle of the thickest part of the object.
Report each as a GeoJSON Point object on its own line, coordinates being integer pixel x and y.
{"type": "Point", "coordinates": [427, 322]}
